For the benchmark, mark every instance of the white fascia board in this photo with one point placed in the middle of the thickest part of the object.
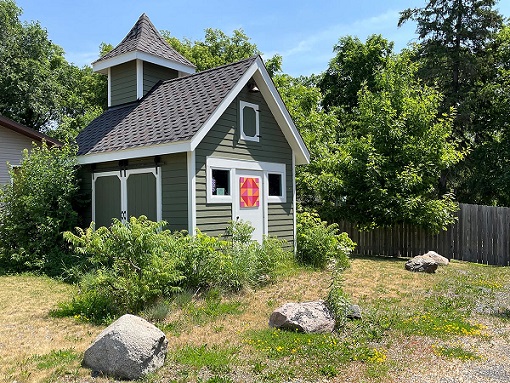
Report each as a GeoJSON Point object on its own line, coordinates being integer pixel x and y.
{"type": "Point", "coordinates": [281, 114]}
{"type": "Point", "coordinates": [102, 66]}
{"type": "Point", "coordinates": [125, 154]}
{"type": "Point", "coordinates": [199, 136]}
{"type": "Point", "coordinates": [258, 71]}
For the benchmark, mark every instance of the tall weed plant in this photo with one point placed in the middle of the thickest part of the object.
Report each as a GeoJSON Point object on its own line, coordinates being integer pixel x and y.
{"type": "Point", "coordinates": [36, 208]}
{"type": "Point", "coordinates": [319, 244]}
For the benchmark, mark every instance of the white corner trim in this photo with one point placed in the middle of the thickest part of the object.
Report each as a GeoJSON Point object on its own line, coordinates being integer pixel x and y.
{"type": "Point", "coordinates": [192, 193]}
{"type": "Point", "coordinates": [125, 154]}
{"type": "Point", "coordinates": [109, 87]}
{"type": "Point", "coordinates": [139, 79]}
{"type": "Point", "coordinates": [294, 200]}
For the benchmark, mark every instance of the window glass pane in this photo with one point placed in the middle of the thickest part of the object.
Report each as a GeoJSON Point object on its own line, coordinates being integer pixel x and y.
{"type": "Point", "coordinates": [249, 122]}
{"type": "Point", "coordinates": [220, 182]}
{"type": "Point", "coordinates": [275, 184]}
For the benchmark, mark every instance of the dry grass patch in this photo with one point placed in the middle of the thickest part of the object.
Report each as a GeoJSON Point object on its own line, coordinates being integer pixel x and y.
{"type": "Point", "coordinates": [29, 336]}
{"type": "Point", "coordinates": [218, 338]}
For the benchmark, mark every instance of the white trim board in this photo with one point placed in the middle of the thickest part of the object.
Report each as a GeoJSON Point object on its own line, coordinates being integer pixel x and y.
{"type": "Point", "coordinates": [103, 65]}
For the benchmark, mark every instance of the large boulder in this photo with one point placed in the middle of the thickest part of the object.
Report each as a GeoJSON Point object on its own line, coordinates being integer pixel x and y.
{"type": "Point", "coordinates": [308, 317]}
{"type": "Point", "coordinates": [440, 260]}
{"type": "Point", "coordinates": [129, 348]}
{"type": "Point", "coordinates": [421, 263]}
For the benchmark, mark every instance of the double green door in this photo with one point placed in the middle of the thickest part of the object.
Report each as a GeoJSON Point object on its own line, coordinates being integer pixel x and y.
{"type": "Point", "coordinates": [126, 193]}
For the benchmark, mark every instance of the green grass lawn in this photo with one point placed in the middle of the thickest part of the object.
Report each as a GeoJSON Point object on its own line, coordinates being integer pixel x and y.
{"type": "Point", "coordinates": [212, 338]}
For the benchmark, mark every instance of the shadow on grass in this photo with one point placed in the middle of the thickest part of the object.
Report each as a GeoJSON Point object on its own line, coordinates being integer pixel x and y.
{"type": "Point", "coordinates": [382, 258]}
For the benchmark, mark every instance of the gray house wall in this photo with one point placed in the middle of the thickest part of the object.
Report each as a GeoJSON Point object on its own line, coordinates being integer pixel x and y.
{"type": "Point", "coordinates": [11, 147]}
{"type": "Point", "coordinates": [223, 141]}
{"type": "Point", "coordinates": [123, 83]}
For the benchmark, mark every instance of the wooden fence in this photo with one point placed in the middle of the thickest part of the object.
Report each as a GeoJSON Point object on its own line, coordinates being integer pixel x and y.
{"type": "Point", "coordinates": [481, 234]}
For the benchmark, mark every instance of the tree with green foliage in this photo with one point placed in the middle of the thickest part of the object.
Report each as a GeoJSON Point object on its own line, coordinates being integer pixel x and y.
{"type": "Point", "coordinates": [355, 65]}
{"type": "Point", "coordinates": [385, 168]}
{"type": "Point", "coordinates": [36, 208]}
{"type": "Point", "coordinates": [454, 52]}
{"type": "Point", "coordinates": [38, 87]}
{"type": "Point", "coordinates": [217, 48]}
{"type": "Point", "coordinates": [484, 175]}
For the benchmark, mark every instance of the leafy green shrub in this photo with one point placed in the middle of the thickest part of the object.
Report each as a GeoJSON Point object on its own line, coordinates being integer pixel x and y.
{"type": "Point", "coordinates": [215, 262]}
{"type": "Point", "coordinates": [135, 265]}
{"type": "Point", "coordinates": [36, 208]}
{"type": "Point", "coordinates": [319, 243]}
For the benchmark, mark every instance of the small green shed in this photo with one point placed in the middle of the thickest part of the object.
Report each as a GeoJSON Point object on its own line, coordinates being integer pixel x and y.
{"type": "Point", "coordinates": [194, 149]}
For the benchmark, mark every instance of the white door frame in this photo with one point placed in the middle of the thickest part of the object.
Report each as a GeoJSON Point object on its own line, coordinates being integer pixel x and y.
{"type": "Point", "coordinates": [236, 199]}
{"type": "Point", "coordinates": [123, 176]}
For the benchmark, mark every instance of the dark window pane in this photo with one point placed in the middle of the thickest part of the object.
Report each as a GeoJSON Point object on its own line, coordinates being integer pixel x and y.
{"type": "Point", "coordinates": [275, 185]}
{"type": "Point", "coordinates": [249, 122]}
{"type": "Point", "coordinates": [220, 182]}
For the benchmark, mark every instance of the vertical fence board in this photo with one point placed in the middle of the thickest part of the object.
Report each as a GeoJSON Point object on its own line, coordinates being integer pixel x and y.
{"type": "Point", "coordinates": [481, 234]}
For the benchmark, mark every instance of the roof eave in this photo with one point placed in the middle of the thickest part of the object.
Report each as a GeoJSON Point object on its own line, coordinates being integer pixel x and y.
{"type": "Point", "coordinates": [28, 132]}
{"type": "Point", "coordinates": [102, 66]}
{"type": "Point", "coordinates": [138, 152]}
{"type": "Point", "coordinates": [259, 72]}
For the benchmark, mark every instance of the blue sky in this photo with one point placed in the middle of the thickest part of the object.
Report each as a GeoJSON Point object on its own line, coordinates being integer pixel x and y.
{"type": "Point", "coordinates": [303, 32]}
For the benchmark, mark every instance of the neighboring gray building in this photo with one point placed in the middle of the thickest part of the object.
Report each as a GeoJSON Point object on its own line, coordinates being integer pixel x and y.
{"type": "Point", "coordinates": [193, 149]}
{"type": "Point", "coordinates": [14, 138]}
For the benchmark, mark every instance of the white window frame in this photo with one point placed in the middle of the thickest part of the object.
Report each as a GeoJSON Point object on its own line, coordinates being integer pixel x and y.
{"type": "Point", "coordinates": [211, 198]}
{"type": "Point", "coordinates": [233, 165]}
{"type": "Point", "coordinates": [255, 107]}
{"type": "Point", "coordinates": [275, 198]}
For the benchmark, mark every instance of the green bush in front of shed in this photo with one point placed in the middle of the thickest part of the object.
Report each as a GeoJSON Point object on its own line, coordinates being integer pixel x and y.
{"type": "Point", "coordinates": [232, 262]}
{"type": "Point", "coordinates": [318, 243]}
{"type": "Point", "coordinates": [36, 208]}
{"type": "Point", "coordinates": [135, 264]}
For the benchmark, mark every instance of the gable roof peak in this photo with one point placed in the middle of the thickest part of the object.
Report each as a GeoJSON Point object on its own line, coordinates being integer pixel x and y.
{"type": "Point", "coordinates": [145, 38]}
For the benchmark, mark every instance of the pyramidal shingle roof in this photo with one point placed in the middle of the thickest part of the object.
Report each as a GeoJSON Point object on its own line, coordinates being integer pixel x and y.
{"type": "Point", "coordinates": [173, 111]}
{"type": "Point", "coordinates": [144, 37]}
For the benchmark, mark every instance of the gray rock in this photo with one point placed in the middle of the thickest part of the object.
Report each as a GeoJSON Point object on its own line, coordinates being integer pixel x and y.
{"type": "Point", "coordinates": [129, 348]}
{"type": "Point", "coordinates": [440, 260]}
{"type": "Point", "coordinates": [421, 263]}
{"type": "Point", "coordinates": [308, 317]}
{"type": "Point", "coordinates": [354, 312]}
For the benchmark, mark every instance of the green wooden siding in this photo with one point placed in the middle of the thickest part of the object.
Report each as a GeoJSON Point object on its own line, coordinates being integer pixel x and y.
{"type": "Point", "coordinates": [223, 141]}
{"type": "Point", "coordinates": [153, 73]}
{"type": "Point", "coordinates": [175, 191]}
{"type": "Point", "coordinates": [141, 196]}
{"type": "Point", "coordinates": [123, 83]}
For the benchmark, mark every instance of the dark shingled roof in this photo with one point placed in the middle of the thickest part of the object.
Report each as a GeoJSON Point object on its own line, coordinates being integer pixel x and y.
{"type": "Point", "coordinates": [144, 37]}
{"type": "Point", "coordinates": [173, 111]}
